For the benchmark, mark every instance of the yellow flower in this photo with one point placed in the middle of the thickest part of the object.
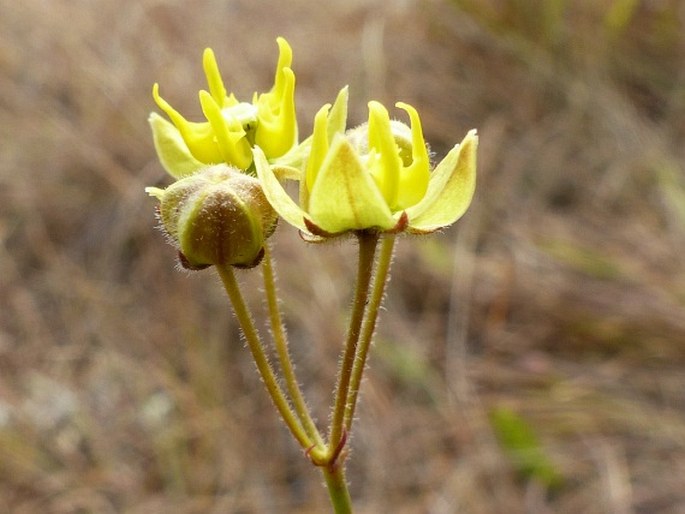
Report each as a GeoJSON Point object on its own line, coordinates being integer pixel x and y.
{"type": "Point", "coordinates": [232, 127]}
{"type": "Point", "coordinates": [375, 177]}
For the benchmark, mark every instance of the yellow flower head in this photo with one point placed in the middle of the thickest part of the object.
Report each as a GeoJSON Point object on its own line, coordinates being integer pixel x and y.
{"type": "Point", "coordinates": [375, 177]}
{"type": "Point", "coordinates": [231, 127]}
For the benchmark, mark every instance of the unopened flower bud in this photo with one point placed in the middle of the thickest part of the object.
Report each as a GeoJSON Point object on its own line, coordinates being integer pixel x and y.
{"type": "Point", "coordinates": [218, 216]}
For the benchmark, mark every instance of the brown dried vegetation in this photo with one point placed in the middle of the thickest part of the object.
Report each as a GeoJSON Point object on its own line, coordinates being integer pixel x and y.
{"type": "Point", "coordinates": [124, 386]}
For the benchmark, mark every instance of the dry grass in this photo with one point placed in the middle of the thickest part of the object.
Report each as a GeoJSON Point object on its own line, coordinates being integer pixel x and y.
{"type": "Point", "coordinates": [124, 386]}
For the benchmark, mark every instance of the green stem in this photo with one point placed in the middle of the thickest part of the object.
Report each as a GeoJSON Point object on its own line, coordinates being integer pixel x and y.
{"type": "Point", "coordinates": [369, 327]}
{"type": "Point", "coordinates": [337, 489]}
{"type": "Point", "coordinates": [281, 344]}
{"type": "Point", "coordinates": [367, 249]}
{"type": "Point", "coordinates": [263, 365]}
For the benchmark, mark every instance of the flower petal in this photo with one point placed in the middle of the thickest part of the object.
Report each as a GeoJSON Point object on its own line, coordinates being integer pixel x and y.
{"type": "Point", "coordinates": [171, 149]}
{"type": "Point", "coordinates": [384, 159]}
{"type": "Point", "coordinates": [228, 133]}
{"type": "Point", "coordinates": [414, 178]}
{"type": "Point", "coordinates": [277, 130]}
{"type": "Point", "coordinates": [216, 84]}
{"type": "Point", "coordinates": [285, 55]}
{"type": "Point", "coordinates": [198, 136]}
{"type": "Point", "coordinates": [450, 189]}
{"type": "Point", "coordinates": [345, 196]}
{"type": "Point", "coordinates": [274, 192]}
{"type": "Point", "coordinates": [337, 117]}
{"type": "Point", "coordinates": [319, 148]}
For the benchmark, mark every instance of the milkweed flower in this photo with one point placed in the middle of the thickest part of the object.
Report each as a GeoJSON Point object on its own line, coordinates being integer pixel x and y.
{"type": "Point", "coordinates": [375, 177]}
{"type": "Point", "coordinates": [232, 127]}
{"type": "Point", "coordinates": [218, 215]}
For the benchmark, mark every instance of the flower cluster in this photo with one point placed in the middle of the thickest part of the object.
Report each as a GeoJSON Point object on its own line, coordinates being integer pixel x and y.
{"type": "Point", "coordinates": [232, 127]}
{"type": "Point", "coordinates": [375, 177]}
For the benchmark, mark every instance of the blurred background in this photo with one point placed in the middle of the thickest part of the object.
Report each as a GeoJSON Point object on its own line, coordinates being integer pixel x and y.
{"type": "Point", "coordinates": [531, 358]}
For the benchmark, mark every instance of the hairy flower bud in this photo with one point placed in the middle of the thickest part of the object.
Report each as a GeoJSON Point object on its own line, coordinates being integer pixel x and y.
{"type": "Point", "coordinates": [218, 216]}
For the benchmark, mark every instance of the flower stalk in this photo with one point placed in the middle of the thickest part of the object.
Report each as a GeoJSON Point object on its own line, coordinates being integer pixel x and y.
{"type": "Point", "coordinates": [281, 344]}
{"type": "Point", "coordinates": [338, 491]}
{"type": "Point", "coordinates": [380, 280]}
{"type": "Point", "coordinates": [368, 242]}
{"type": "Point", "coordinates": [264, 367]}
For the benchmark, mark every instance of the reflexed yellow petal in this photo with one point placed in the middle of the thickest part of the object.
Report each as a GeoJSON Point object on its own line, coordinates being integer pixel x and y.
{"type": "Point", "coordinates": [344, 196]}
{"type": "Point", "coordinates": [277, 130]}
{"type": "Point", "coordinates": [317, 153]}
{"type": "Point", "coordinates": [230, 137]}
{"type": "Point", "coordinates": [319, 146]}
{"type": "Point", "coordinates": [337, 118]}
{"type": "Point", "coordinates": [384, 162]}
{"type": "Point", "coordinates": [274, 192]}
{"type": "Point", "coordinates": [285, 55]}
{"type": "Point", "coordinates": [198, 136]}
{"type": "Point", "coordinates": [171, 149]}
{"type": "Point", "coordinates": [414, 178]}
{"type": "Point", "coordinates": [450, 190]}
{"type": "Point", "coordinates": [216, 84]}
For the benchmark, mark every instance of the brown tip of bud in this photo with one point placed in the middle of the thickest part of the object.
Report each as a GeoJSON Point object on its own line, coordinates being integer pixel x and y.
{"type": "Point", "coordinates": [186, 264]}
